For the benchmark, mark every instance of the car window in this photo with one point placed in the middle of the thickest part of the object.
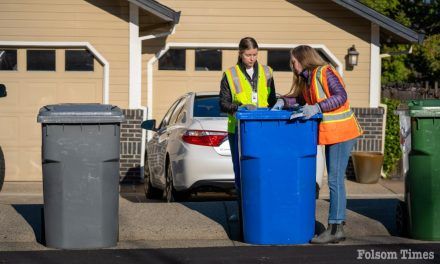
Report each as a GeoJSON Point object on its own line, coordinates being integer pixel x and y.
{"type": "Point", "coordinates": [207, 106]}
{"type": "Point", "coordinates": [177, 111]}
{"type": "Point", "coordinates": [167, 116]}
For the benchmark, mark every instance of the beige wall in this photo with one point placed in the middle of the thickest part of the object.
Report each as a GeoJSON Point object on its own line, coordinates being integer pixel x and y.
{"type": "Point", "coordinates": [270, 22]}
{"type": "Point", "coordinates": [102, 23]}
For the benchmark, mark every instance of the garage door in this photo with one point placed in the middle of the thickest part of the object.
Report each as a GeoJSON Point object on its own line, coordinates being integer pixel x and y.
{"type": "Point", "coordinates": [29, 90]}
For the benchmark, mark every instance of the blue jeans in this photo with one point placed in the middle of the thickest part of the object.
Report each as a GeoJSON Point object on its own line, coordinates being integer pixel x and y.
{"type": "Point", "coordinates": [233, 143]}
{"type": "Point", "coordinates": [336, 156]}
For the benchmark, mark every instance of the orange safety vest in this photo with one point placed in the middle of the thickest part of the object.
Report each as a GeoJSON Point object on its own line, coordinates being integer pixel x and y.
{"type": "Point", "coordinates": [338, 125]}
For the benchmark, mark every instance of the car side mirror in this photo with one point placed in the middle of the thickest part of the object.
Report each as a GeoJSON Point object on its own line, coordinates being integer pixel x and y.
{"type": "Point", "coordinates": [3, 92]}
{"type": "Point", "coordinates": [149, 124]}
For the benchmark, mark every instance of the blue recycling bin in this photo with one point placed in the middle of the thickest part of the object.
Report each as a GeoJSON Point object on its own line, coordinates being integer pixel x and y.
{"type": "Point", "coordinates": [278, 168]}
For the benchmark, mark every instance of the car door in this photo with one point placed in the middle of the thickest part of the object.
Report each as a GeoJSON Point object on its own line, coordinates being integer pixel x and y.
{"type": "Point", "coordinates": [156, 149]}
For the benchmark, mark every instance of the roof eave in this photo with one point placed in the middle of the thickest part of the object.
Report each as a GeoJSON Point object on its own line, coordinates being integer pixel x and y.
{"type": "Point", "coordinates": [383, 21]}
{"type": "Point", "coordinates": [158, 9]}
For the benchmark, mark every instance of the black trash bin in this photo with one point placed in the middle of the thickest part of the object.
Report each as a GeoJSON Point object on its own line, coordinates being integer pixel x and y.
{"type": "Point", "coordinates": [80, 155]}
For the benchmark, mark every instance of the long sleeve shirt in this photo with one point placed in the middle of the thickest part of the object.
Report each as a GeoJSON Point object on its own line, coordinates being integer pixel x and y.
{"type": "Point", "coordinates": [338, 95]}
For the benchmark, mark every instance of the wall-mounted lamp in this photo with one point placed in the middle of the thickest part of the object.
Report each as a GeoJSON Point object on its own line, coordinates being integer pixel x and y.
{"type": "Point", "coordinates": [352, 56]}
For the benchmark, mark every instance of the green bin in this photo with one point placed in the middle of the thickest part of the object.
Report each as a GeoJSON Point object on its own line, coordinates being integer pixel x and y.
{"type": "Point", "coordinates": [423, 181]}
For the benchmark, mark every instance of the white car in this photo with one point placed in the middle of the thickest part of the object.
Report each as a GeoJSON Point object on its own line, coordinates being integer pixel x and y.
{"type": "Point", "coordinates": [189, 150]}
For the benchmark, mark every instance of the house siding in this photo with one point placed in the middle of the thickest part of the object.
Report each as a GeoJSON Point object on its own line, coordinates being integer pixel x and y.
{"type": "Point", "coordinates": [270, 22]}
{"type": "Point", "coordinates": [101, 23]}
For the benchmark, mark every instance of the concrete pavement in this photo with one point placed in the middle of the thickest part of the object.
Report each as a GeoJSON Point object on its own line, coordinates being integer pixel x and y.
{"type": "Point", "coordinates": [201, 222]}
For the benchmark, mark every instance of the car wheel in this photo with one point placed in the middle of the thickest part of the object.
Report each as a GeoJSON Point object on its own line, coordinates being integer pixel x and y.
{"type": "Point", "coordinates": [402, 218]}
{"type": "Point", "coordinates": [150, 191]}
{"type": "Point", "coordinates": [2, 168]}
{"type": "Point", "coordinates": [169, 193]}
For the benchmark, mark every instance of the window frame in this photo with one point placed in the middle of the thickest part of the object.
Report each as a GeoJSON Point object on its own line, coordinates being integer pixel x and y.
{"type": "Point", "coordinates": [52, 51]}
{"type": "Point", "coordinates": [66, 61]}
{"type": "Point", "coordinates": [16, 60]}
{"type": "Point", "coordinates": [196, 68]}
{"type": "Point", "coordinates": [160, 66]}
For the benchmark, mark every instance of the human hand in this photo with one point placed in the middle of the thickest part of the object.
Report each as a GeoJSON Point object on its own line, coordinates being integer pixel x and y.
{"type": "Point", "coordinates": [310, 110]}
{"type": "Point", "coordinates": [278, 105]}
{"type": "Point", "coordinates": [249, 107]}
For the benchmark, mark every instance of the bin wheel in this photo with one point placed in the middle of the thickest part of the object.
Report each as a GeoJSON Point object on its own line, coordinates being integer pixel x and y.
{"type": "Point", "coordinates": [169, 193]}
{"type": "Point", "coordinates": [150, 191]}
{"type": "Point", "coordinates": [2, 168]}
{"type": "Point", "coordinates": [402, 219]}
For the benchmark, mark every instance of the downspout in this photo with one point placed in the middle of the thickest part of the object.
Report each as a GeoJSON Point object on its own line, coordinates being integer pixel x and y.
{"type": "Point", "coordinates": [147, 113]}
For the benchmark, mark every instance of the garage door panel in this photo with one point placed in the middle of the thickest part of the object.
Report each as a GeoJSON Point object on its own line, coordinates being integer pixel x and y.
{"type": "Point", "coordinates": [38, 94]}
{"type": "Point", "coordinates": [30, 134]}
{"type": "Point", "coordinates": [77, 93]}
{"type": "Point", "coordinates": [23, 164]}
{"type": "Point", "coordinates": [20, 136]}
{"type": "Point", "coordinates": [9, 127]}
{"type": "Point", "coordinates": [12, 99]}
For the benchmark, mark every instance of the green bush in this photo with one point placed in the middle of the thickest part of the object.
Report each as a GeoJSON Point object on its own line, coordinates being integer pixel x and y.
{"type": "Point", "coordinates": [392, 151]}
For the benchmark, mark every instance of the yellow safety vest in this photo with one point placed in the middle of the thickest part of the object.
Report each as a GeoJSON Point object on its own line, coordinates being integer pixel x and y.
{"type": "Point", "coordinates": [241, 89]}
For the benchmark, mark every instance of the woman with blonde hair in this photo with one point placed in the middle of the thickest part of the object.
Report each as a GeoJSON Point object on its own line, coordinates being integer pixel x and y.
{"type": "Point", "coordinates": [319, 88]}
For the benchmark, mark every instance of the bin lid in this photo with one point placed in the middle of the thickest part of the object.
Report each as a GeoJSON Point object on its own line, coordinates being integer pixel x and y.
{"type": "Point", "coordinates": [80, 114]}
{"type": "Point", "coordinates": [424, 108]}
{"type": "Point", "coordinates": [267, 114]}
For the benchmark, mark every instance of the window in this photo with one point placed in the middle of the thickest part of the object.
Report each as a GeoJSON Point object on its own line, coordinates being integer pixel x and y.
{"type": "Point", "coordinates": [41, 60]}
{"type": "Point", "coordinates": [279, 60]}
{"type": "Point", "coordinates": [207, 106]}
{"type": "Point", "coordinates": [79, 60]}
{"type": "Point", "coordinates": [8, 60]}
{"type": "Point", "coordinates": [324, 57]}
{"type": "Point", "coordinates": [167, 116]}
{"type": "Point", "coordinates": [173, 59]}
{"type": "Point", "coordinates": [179, 108]}
{"type": "Point", "coordinates": [208, 60]}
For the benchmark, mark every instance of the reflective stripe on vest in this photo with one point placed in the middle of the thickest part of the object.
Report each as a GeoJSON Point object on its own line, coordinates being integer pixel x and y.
{"type": "Point", "coordinates": [241, 89]}
{"type": "Point", "coordinates": [338, 125]}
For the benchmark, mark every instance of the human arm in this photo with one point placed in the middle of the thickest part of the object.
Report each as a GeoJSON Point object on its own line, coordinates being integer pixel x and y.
{"type": "Point", "coordinates": [226, 104]}
{"type": "Point", "coordinates": [338, 95]}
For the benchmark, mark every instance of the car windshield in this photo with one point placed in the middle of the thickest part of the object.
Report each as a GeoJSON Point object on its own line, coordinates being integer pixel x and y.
{"type": "Point", "coordinates": [207, 106]}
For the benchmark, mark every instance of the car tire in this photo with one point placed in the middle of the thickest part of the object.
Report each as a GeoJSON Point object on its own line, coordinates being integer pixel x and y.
{"type": "Point", "coordinates": [2, 168]}
{"type": "Point", "coordinates": [402, 219]}
{"type": "Point", "coordinates": [169, 193]}
{"type": "Point", "coordinates": [150, 191]}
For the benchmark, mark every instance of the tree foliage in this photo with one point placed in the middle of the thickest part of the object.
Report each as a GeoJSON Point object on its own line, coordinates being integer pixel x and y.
{"type": "Point", "coordinates": [419, 15]}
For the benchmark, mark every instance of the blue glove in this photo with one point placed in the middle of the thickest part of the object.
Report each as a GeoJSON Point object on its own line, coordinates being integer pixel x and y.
{"type": "Point", "coordinates": [249, 107]}
{"type": "Point", "coordinates": [278, 105]}
{"type": "Point", "coordinates": [310, 110]}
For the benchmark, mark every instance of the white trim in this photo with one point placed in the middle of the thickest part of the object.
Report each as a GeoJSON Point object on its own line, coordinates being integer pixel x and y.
{"type": "Point", "coordinates": [86, 45]}
{"type": "Point", "coordinates": [153, 60]}
{"type": "Point", "coordinates": [143, 137]}
{"type": "Point", "coordinates": [375, 66]}
{"type": "Point", "coordinates": [135, 60]}
{"type": "Point", "coordinates": [147, 110]}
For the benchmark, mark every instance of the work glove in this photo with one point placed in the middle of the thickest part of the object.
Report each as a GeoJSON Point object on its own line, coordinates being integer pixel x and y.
{"type": "Point", "coordinates": [310, 110]}
{"type": "Point", "coordinates": [278, 105]}
{"type": "Point", "coordinates": [249, 107]}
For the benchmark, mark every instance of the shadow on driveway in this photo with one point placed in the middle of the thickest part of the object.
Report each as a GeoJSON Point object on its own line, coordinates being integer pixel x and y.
{"type": "Point", "coordinates": [381, 210]}
{"type": "Point", "coordinates": [33, 214]}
